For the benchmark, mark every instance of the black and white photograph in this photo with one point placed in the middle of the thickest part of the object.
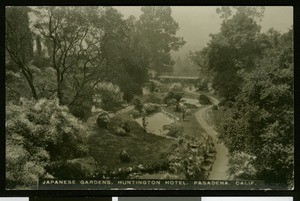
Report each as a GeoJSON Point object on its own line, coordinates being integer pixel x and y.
{"type": "Point", "coordinates": [149, 97]}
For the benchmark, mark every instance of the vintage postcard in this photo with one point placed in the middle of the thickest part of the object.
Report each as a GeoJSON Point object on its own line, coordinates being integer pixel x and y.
{"type": "Point", "coordinates": [149, 97]}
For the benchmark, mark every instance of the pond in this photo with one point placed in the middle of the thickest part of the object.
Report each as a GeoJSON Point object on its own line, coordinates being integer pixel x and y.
{"type": "Point", "coordinates": [156, 122]}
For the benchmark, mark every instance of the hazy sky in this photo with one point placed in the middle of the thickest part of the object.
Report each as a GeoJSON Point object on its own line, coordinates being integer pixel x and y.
{"type": "Point", "coordinates": [197, 22]}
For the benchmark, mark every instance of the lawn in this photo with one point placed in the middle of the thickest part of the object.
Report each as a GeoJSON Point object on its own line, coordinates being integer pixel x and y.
{"type": "Point", "coordinates": [191, 126]}
{"type": "Point", "coordinates": [105, 146]}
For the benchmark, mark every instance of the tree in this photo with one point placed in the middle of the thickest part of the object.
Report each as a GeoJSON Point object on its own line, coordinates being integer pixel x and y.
{"type": "Point", "coordinates": [158, 30]}
{"type": "Point", "coordinates": [125, 56]}
{"type": "Point", "coordinates": [72, 39]}
{"type": "Point", "coordinates": [91, 45]}
{"type": "Point", "coordinates": [260, 121]}
{"type": "Point", "coordinates": [232, 50]}
{"type": "Point", "coordinates": [18, 44]}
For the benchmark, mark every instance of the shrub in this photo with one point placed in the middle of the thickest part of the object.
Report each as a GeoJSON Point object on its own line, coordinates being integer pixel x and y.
{"type": "Point", "coordinates": [38, 133]}
{"type": "Point", "coordinates": [150, 98]}
{"type": "Point", "coordinates": [150, 108]}
{"type": "Point", "coordinates": [176, 87]}
{"type": "Point", "coordinates": [107, 96]}
{"type": "Point", "coordinates": [137, 104]}
{"type": "Point", "coordinates": [74, 169]}
{"type": "Point", "coordinates": [174, 130]}
{"type": "Point", "coordinates": [81, 109]}
{"type": "Point", "coordinates": [202, 84]}
{"type": "Point", "coordinates": [154, 85]}
{"type": "Point", "coordinates": [241, 166]}
{"type": "Point", "coordinates": [172, 95]}
{"type": "Point", "coordinates": [135, 113]}
{"type": "Point", "coordinates": [125, 126]}
{"type": "Point", "coordinates": [192, 158]}
{"type": "Point", "coordinates": [204, 100]}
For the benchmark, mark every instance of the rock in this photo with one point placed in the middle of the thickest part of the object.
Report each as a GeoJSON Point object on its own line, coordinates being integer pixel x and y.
{"type": "Point", "coordinates": [150, 107]}
{"type": "Point", "coordinates": [125, 126]}
{"type": "Point", "coordinates": [124, 156]}
{"type": "Point", "coordinates": [103, 120]}
{"type": "Point", "coordinates": [121, 131]}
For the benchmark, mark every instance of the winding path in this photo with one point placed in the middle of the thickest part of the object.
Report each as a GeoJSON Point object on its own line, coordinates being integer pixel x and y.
{"type": "Point", "coordinates": [220, 167]}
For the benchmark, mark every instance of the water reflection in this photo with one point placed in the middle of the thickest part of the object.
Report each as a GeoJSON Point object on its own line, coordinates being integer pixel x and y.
{"type": "Point", "coordinates": [156, 122]}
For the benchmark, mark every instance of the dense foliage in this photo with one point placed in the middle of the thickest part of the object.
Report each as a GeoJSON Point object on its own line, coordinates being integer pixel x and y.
{"type": "Point", "coordinates": [107, 96]}
{"type": "Point", "coordinates": [253, 72]}
{"type": "Point", "coordinates": [234, 48]}
{"type": "Point", "coordinates": [84, 57]}
{"type": "Point", "coordinates": [204, 100]}
{"type": "Point", "coordinates": [159, 29]}
{"type": "Point", "coordinates": [262, 115]}
{"type": "Point", "coordinates": [40, 134]}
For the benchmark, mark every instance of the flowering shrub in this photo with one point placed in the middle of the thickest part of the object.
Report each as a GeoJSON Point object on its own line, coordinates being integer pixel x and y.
{"type": "Point", "coordinates": [193, 157]}
{"type": "Point", "coordinates": [39, 133]}
{"type": "Point", "coordinates": [107, 95]}
{"type": "Point", "coordinates": [241, 166]}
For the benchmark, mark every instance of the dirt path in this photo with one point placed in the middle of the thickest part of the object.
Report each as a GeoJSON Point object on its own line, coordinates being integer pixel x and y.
{"type": "Point", "coordinates": [220, 166]}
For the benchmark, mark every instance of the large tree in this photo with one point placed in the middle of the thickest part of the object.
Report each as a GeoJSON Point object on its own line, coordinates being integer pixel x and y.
{"type": "Point", "coordinates": [158, 30]}
{"type": "Point", "coordinates": [232, 50]}
{"type": "Point", "coordinates": [260, 121]}
{"type": "Point", "coordinates": [72, 41]}
{"type": "Point", "coordinates": [18, 46]}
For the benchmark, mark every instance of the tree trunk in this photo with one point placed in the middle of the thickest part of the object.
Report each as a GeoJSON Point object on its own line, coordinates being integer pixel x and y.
{"type": "Point", "coordinates": [33, 91]}
{"type": "Point", "coordinates": [59, 91]}
{"type": "Point", "coordinates": [29, 78]}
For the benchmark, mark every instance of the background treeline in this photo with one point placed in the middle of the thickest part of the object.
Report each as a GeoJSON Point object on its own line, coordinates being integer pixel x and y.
{"type": "Point", "coordinates": [252, 73]}
{"type": "Point", "coordinates": [62, 61]}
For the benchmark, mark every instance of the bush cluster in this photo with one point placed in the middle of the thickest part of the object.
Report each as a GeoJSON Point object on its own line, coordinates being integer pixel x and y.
{"type": "Point", "coordinates": [40, 133]}
{"type": "Point", "coordinates": [204, 100]}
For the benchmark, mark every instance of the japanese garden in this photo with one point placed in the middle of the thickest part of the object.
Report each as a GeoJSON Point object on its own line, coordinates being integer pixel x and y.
{"type": "Point", "coordinates": [92, 94]}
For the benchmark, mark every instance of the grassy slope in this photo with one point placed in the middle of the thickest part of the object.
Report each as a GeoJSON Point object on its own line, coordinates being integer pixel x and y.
{"type": "Point", "coordinates": [105, 146]}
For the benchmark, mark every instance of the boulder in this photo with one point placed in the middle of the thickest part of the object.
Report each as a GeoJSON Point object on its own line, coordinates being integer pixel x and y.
{"type": "Point", "coordinates": [126, 127]}
{"type": "Point", "coordinates": [103, 120]}
{"type": "Point", "coordinates": [124, 156]}
{"type": "Point", "coordinates": [150, 107]}
{"type": "Point", "coordinates": [121, 131]}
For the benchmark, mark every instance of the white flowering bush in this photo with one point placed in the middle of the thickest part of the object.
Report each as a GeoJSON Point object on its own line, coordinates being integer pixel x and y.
{"type": "Point", "coordinates": [107, 95]}
{"type": "Point", "coordinates": [39, 133]}
{"type": "Point", "coordinates": [241, 166]}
